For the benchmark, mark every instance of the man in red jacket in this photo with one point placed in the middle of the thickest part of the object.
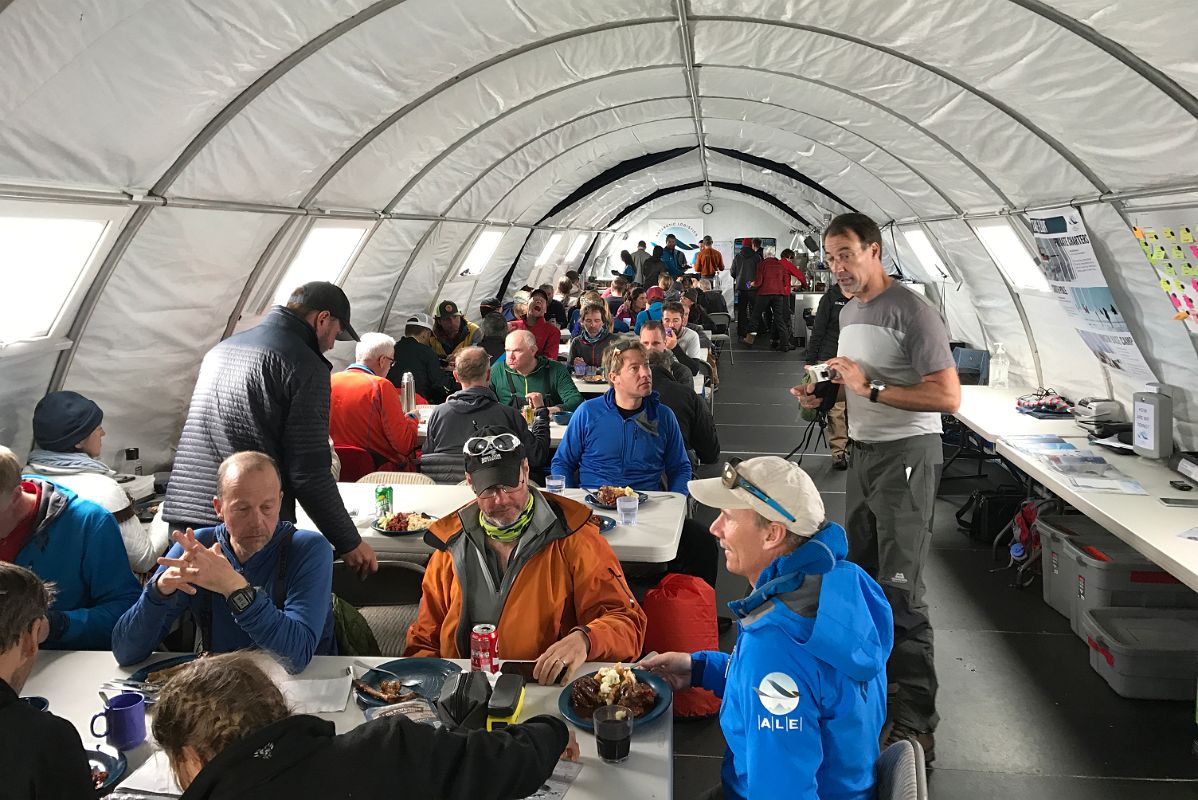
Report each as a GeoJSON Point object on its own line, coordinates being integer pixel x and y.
{"type": "Point", "coordinates": [365, 409]}
{"type": "Point", "coordinates": [773, 295]}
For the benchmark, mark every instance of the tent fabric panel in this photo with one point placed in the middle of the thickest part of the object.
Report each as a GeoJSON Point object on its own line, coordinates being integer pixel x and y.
{"type": "Point", "coordinates": [1067, 364]}
{"type": "Point", "coordinates": [23, 381]}
{"type": "Point", "coordinates": [108, 93]}
{"type": "Point", "coordinates": [907, 141]}
{"type": "Point", "coordinates": [1013, 155]}
{"type": "Point", "coordinates": [489, 279]}
{"type": "Point", "coordinates": [428, 269]}
{"type": "Point", "coordinates": [372, 277]}
{"type": "Point", "coordinates": [475, 136]}
{"type": "Point", "coordinates": [164, 307]}
{"type": "Point", "coordinates": [954, 299]}
{"type": "Point", "coordinates": [912, 187]}
{"type": "Point", "coordinates": [282, 143]}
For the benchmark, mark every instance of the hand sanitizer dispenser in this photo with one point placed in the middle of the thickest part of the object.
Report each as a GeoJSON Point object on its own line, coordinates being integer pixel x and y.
{"type": "Point", "coordinates": [1152, 415]}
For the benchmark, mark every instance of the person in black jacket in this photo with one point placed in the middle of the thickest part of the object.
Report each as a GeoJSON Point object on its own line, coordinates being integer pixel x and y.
{"type": "Point", "coordinates": [744, 272]}
{"type": "Point", "coordinates": [653, 267]}
{"type": "Point", "coordinates": [494, 331]}
{"type": "Point", "coordinates": [694, 417]}
{"type": "Point", "coordinates": [414, 353]}
{"type": "Point", "coordinates": [227, 733]}
{"type": "Point", "coordinates": [825, 338]}
{"type": "Point", "coordinates": [475, 407]}
{"type": "Point", "coordinates": [41, 755]}
{"type": "Point", "coordinates": [267, 389]}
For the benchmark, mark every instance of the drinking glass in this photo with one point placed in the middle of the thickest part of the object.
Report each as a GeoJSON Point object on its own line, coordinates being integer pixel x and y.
{"type": "Point", "coordinates": [626, 509]}
{"type": "Point", "coordinates": [555, 483]}
{"type": "Point", "coordinates": [613, 732]}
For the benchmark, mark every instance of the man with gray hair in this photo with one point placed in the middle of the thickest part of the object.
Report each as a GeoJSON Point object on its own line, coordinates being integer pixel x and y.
{"type": "Point", "coordinates": [41, 755]}
{"type": "Point", "coordinates": [475, 407]}
{"type": "Point", "coordinates": [252, 581]}
{"type": "Point", "coordinates": [365, 409]}
{"type": "Point", "coordinates": [74, 543]}
{"type": "Point", "coordinates": [804, 690]}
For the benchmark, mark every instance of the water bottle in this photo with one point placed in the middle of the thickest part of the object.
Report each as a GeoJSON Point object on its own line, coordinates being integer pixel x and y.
{"type": "Point", "coordinates": [1000, 365]}
{"type": "Point", "coordinates": [408, 392]}
{"type": "Point", "coordinates": [133, 461]}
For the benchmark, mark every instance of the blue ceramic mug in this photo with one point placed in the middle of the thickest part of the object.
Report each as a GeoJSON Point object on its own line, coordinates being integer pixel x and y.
{"type": "Point", "coordinates": [124, 721]}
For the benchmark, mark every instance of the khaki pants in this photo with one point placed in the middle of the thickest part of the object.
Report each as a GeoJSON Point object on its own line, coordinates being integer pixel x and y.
{"type": "Point", "coordinates": [838, 429]}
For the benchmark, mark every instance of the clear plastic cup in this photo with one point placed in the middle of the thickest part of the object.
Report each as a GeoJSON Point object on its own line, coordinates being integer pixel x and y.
{"type": "Point", "coordinates": [555, 483]}
{"type": "Point", "coordinates": [580, 370]}
{"type": "Point", "coordinates": [626, 509]}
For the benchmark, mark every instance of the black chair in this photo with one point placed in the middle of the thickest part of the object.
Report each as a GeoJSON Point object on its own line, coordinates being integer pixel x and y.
{"type": "Point", "coordinates": [389, 599]}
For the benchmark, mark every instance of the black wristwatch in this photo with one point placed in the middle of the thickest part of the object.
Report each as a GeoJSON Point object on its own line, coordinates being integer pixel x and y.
{"type": "Point", "coordinates": [241, 599]}
{"type": "Point", "coordinates": [874, 388]}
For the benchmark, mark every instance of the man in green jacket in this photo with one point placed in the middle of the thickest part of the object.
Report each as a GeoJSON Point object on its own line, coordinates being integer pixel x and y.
{"type": "Point", "coordinates": [521, 371]}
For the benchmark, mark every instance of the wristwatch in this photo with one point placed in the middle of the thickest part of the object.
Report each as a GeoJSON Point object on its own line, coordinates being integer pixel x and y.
{"type": "Point", "coordinates": [241, 599]}
{"type": "Point", "coordinates": [874, 388]}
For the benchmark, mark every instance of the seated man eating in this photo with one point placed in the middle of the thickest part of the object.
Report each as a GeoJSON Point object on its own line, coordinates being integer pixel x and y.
{"type": "Point", "coordinates": [252, 581]}
{"type": "Point", "coordinates": [533, 565]}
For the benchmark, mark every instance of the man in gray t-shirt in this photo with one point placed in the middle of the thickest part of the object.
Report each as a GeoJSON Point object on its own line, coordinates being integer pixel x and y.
{"type": "Point", "coordinates": [896, 372]}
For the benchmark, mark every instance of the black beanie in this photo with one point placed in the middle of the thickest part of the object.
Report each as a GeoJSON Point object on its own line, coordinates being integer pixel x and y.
{"type": "Point", "coordinates": [62, 420]}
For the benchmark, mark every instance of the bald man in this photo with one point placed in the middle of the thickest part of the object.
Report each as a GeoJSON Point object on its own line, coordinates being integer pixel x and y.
{"type": "Point", "coordinates": [522, 372]}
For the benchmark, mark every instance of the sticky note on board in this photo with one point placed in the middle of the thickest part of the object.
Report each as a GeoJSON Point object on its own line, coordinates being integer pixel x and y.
{"type": "Point", "coordinates": [1147, 248]}
{"type": "Point", "coordinates": [1168, 269]}
{"type": "Point", "coordinates": [1166, 284]}
{"type": "Point", "coordinates": [1150, 234]}
{"type": "Point", "coordinates": [1178, 286]}
{"type": "Point", "coordinates": [1158, 253]}
{"type": "Point", "coordinates": [1186, 235]}
{"type": "Point", "coordinates": [1168, 234]}
{"type": "Point", "coordinates": [1189, 269]}
{"type": "Point", "coordinates": [1139, 234]}
{"type": "Point", "coordinates": [1180, 315]}
{"type": "Point", "coordinates": [1178, 254]}
{"type": "Point", "coordinates": [1194, 250]}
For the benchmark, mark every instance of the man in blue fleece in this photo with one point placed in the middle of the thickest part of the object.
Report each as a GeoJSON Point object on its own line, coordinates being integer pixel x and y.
{"type": "Point", "coordinates": [804, 690]}
{"type": "Point", "coordinates": [626, 437]}
{"type": "Point", "coordinates": [74, 544]}
{"type": "Point", "coordinates": [252, 581]}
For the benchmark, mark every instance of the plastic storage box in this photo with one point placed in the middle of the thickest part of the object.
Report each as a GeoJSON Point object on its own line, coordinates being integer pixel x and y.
{"type": "Point", "coordinates": [1086, 567]}
{"type": "Point", "coordinates": [1144, 653]}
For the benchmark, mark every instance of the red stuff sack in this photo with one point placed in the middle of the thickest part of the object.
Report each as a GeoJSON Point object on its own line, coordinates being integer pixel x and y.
{"type": "Point", "coordinates": [681, 611]}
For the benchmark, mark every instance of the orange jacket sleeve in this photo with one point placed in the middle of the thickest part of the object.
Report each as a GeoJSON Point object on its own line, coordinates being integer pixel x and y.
{"type": "Point", "coordinates": [399, 428]}
{"type": "Point", "coordinates": [424, 636]}
{"type": "Point", "coordinates": [602, 600]}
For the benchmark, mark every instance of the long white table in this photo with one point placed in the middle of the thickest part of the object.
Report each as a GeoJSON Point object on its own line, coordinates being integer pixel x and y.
{"type": "Point", "coordinates": [556, 431]}
{"type": "Point", "coordinates": [992, 414]}
{"type": "Point", "coordinates": [1142, 521]}
{"type": "Point", "coordinates": [70, 680]}
{"type": "Point", "coordinates": [653, 540]}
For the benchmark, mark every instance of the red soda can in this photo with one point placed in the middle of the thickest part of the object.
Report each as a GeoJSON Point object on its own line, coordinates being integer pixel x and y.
{"type": "Point", "coordinates": [484, 648]}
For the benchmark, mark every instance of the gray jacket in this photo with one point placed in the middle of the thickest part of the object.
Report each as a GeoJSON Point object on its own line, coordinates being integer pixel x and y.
{"type": "Point", "coordinates": [465, 413]}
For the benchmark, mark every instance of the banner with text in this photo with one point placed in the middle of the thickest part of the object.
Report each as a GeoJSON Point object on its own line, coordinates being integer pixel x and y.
{"type": "Point", "coordinates": [688, 232]}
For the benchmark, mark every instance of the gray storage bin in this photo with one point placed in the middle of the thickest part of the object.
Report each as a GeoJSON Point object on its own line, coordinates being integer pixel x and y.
{"type": "Point", "coordinates": [1059, 582]}
{"type": "Point", "coordinates": [1144, 653]}
{"type": "Point", "coordinates": [1095, 568]}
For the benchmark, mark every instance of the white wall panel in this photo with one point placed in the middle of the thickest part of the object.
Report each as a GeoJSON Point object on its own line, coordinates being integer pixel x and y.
{"type": "Point", "coordinates": [23, 381]}
{"type": "Point", "coordinates": [370, 282]}
{"type": "Point", "coordinates": [420, 288]}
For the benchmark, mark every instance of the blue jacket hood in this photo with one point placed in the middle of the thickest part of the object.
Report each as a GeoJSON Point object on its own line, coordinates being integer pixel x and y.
{"type": "Point", "coordinates": [853, 628]}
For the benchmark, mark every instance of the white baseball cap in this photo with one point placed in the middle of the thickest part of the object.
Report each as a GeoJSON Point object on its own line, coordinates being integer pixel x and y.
{"type": "Point", "coordinates": [781, 481]}
{"type": "Point", "coordinates": [421, 319]}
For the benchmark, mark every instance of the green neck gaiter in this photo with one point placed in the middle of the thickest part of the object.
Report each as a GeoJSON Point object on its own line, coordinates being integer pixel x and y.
{"type": "Point", "coordinates": [508, 533]}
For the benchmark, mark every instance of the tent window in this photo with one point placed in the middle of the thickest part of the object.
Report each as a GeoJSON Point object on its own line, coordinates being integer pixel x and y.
{"type": "Point", "coordinates": [480, 254]}
{"type": "Point", "coordinates": [576, 246]}
{"type": "Point", "coordinates": [931, 261]}
{"type": "Point", "coordinates": [1010, 254]}
{"type": "Point", "coordinates": [326, 251]}
{"type": "Point", "coordinates": [48, 251]}
{"type": "Point", "coordinates": [547, 251]}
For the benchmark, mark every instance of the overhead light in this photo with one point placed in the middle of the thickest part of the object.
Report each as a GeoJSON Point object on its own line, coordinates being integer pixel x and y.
{"type": "Point", "coordinates": [767, 172]}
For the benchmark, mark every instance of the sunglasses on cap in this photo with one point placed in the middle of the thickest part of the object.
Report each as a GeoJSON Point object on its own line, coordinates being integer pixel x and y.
{"type": "Point", "coordinates": [733, 479]}
{"type": "Point", "coordinates": [500, 443]}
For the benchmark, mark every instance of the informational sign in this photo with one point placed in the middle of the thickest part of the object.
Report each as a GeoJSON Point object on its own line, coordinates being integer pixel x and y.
{"type": "Point", "coordinates": [688, 232]}
{"type": "Point", "coordinates": [1067, 259]}
{"type": "Point", "coordinates": [1168, 242]}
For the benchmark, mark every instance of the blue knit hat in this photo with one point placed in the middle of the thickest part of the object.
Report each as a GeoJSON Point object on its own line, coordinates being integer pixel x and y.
{"type": "Point", "coordinates": [62, 420]}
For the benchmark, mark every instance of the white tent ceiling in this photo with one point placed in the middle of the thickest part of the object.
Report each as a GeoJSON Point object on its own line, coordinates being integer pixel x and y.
{"type": "Point", "coordinates": [428, 118]}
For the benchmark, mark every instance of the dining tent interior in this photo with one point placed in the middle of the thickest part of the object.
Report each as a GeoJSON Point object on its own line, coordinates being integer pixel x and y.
{"type": "Point", "coordinates": [171, 170]}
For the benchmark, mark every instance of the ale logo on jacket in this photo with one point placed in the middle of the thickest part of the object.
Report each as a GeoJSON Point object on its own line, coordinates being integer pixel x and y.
{"type": "Point", "coordinates": [778, 693]}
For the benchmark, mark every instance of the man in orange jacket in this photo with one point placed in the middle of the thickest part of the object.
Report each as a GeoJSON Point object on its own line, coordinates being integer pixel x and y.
{"type": "Point", "coordinates": [530, 563]}
{"type": "Point", "coordinates": [365, 409]}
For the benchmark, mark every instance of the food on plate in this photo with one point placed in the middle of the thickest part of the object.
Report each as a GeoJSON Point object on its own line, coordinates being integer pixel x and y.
{"type": "Point", "coordinates": [389, 691]}
{"type": "Point", "coordinates": [612, 686]}
{"type": "Point", "coordinates": [402, 521]}
{"type": "Point", "coordinates": [609, 494]}
{"type": "Point", "coordinates": [594, 379]}
{"type": "Point", "coordinates": [99, 776]}
{"type": "Point", "coordinates": [161, 675]}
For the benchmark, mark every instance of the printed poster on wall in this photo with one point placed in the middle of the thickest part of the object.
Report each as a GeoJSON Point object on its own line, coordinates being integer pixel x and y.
{"type": "Point", "coordinates": [1168, 241]}
{"type": "Point", "coordinates": [688, 232]}
{"type": "Point", "coordinates": [1067, 259]}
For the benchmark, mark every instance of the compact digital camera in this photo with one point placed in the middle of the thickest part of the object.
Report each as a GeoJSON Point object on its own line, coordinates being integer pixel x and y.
{"type": "Point", "coordinates": [820, 373]}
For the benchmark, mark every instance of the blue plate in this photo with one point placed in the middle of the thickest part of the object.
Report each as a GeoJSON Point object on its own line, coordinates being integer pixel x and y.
{"type": "Point", "coordinates": [429, 672]}
{"type": "Point", "coordinates": [593, 500]}
{"type": "Point", "coordinates": [111, 761]}
{"type": "Point", "coordinates": [605, 523]}
{"type": "Point", "coordinates": [413, 532]}
{"type": "Point", "coordinates": [664, 697]}
{"type": "Point", "coordinates": [142, 674]}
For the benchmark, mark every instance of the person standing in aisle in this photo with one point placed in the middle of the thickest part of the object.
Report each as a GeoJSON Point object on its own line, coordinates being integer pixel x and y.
{"type": "Point", "coordinates": [772, 309]}
{"type": "Point", "coordinates": [897, 374]}
{"type": "Point", "coordinates": [744, 271]}
{"type": "Point", "coordinates": [708, 261]}
{"type": "Point", "coordinates": [825, 337]}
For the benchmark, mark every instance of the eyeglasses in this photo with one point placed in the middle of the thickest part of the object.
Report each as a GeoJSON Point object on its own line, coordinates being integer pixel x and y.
{"type": "Point", "coordinates": [500, 443]}
{"type": "Point", "coordinates": [495, 491]}
{"type": "Point", "coordinates": [845, 256]}
{"type": "Point", "coordinates": [733, 479]}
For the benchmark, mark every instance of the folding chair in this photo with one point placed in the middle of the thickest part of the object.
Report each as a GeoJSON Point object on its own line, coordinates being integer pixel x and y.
{"type": "Point", "coordinates": [396, 477]}
{"type": "Point", "coordinates": [722, 339]}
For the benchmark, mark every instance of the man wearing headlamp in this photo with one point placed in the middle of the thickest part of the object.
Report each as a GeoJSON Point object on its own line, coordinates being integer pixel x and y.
{"type": "Point", "coordinates": [532, 564]}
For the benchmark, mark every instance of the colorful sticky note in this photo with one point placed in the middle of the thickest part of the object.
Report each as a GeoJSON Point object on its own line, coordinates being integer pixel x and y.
{"type": "Point", "coordinates": [1178, 286]}
{"type": "Point", "coordinates": [1165, 284]}
{"type": "Point", "coordinates": [1178, 254]}
{"type": "Point", "coordinates": [1180, 315]}
{"type": "Point", "coordinates": [1168, 234]}
{"type": "Point", "coordinates": [1151, 234]}
{"type": "Point", "coordinates": [1189, 269]}
{"type": "Point", "coordinates": [1147, 248]}
{"type": "Point", "coordinates": [1139, 234]}
{"type": "Point", "coordinates": [1187, 236]}
{"type": "Point", "coordinates": [1168, 268]}
{"type": "Point", "coordinates": [1194, 250]}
